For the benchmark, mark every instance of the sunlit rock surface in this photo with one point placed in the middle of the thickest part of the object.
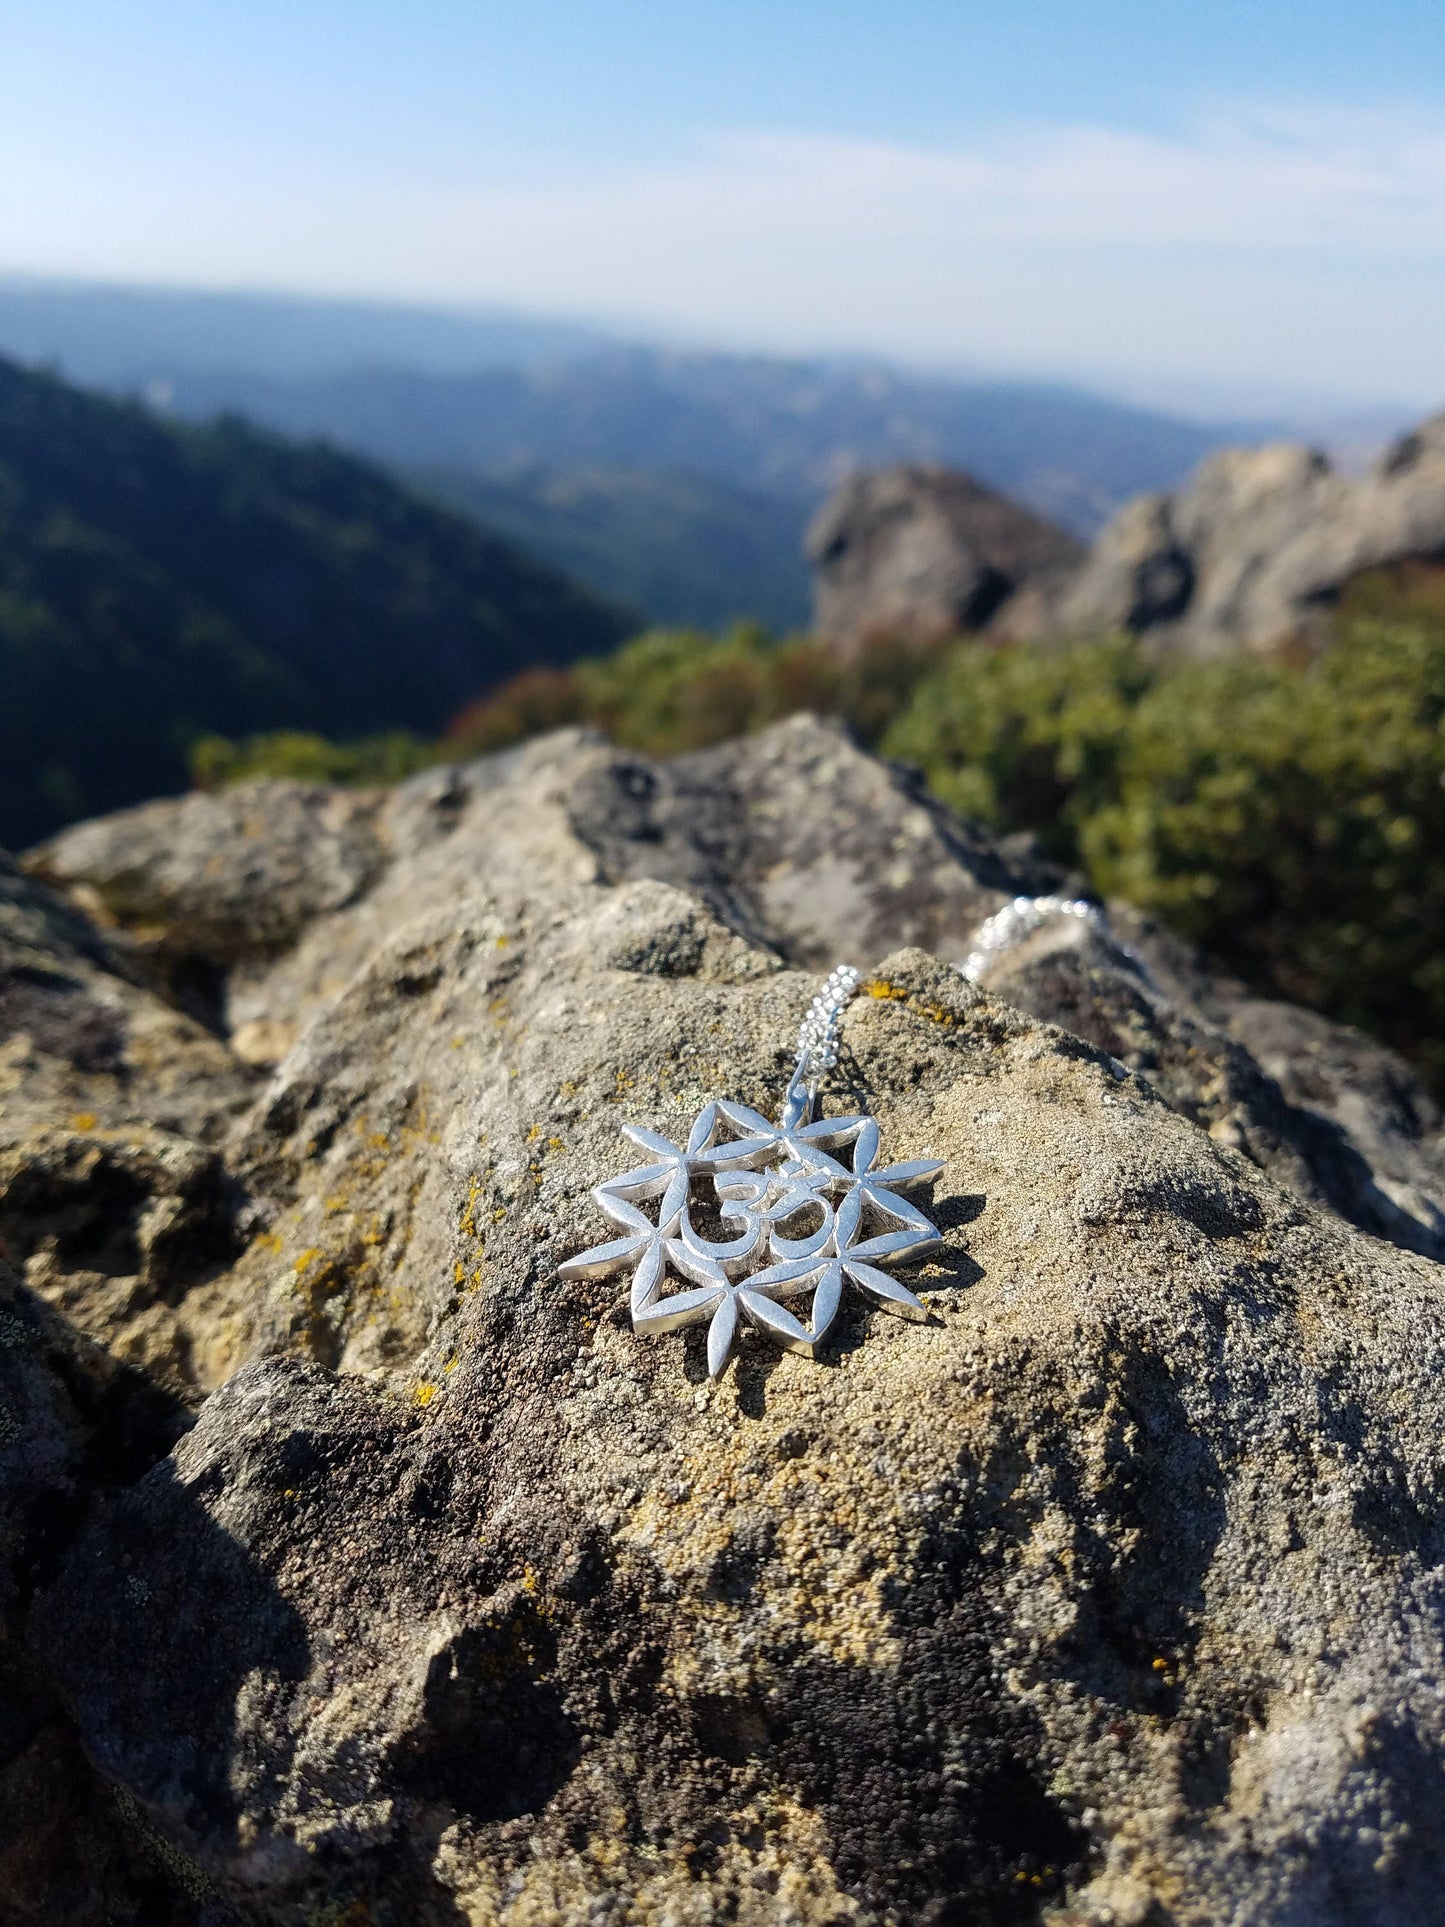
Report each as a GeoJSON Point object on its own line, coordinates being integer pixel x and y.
{"type": "Point", "coordinates": [1113, 1593]}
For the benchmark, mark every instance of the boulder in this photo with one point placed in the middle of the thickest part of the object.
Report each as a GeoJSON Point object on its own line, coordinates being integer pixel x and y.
{"type": "Point", "coordinates": [921, 552]}
{"type": "Point", "coordinates": [1256, 547]}
{"type": "Point", "coordinates": [1109, 1593]}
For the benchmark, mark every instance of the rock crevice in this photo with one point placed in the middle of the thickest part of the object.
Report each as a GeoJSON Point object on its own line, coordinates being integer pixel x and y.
{"type": "Point", "coordinates": [425, 1590]}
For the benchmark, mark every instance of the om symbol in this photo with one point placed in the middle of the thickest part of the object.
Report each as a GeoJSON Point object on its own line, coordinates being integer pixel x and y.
{"type": "Point", "coordinates": [771, 1182]}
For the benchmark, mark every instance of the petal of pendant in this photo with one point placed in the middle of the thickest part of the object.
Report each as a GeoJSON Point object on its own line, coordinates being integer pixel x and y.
{"type": "Point", "coordinates": [701, 1134]}
{"type": "Point", "coordinates": [894, 1247]}
{"type": "Point", "coordinates": [700, 1266]}
{"type": "Point", "coordinates": [901, 1210]}
{"type": "Point", "coordinates": [865, 1149]}
{"type": "Point", "coordinates": [602, 1260]}
{"type": "Point", "coordinates": [777, 1322]}
{"type": "Point", "coordinates": [644, 1181]}
{"type": "Point", "coordinates": [721, 1333]}
{"type": "Point", "coordinates": [886, 1292]}
{"type": "Point", "coordinates": [826, 1301]}
{"type": "Point", "coordinates": [915, 1171]}
{"type": "Point", "coordinates": [674, 1202]}
{"type": "Point", "coordinates": [787, 1280]}
{"type": "Point", "coordinates": [645, 1140]}
{"type": "Point", "coordinates": [741, 1153]}
{"type": "Point", "coordinates": [812, 1158]}
{"type": "Point", "coordinates": [647, 1279]}
{"type": "Point", "coordinates": [849, 1218]}
{"type": "Point", "coordinates": [621, 1211]}
{"type": "Point", "coordinates": [683, 1308]}
{"type": "Point", "coordinates": [831, 1130]}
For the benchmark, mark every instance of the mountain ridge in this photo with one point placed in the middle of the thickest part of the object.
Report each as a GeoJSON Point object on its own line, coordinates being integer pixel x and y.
{"type": "Point", "coordinates": [705, 454]}
{"type": "Point", "coordinates": [158, 581]}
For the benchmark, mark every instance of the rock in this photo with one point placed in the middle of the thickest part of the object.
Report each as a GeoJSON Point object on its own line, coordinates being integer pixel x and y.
{"type": "Point", "coordinates": [253, 864]}
{"type": "Point", "coordinates": [922, 552]}
{"type": "Point", "coordinates": [790, 845]}
{"type": "Point", "coordinates": [1334, 1116]}
{"type": "Point", "coordinates": [114, 1200]}
{"type": "Point", "coordinates": [1254, 549]}
{"type": "Point", "coordinates": [82, 1034]}
{"type": "Point", "coordinates": [1110, 1593]}
{"type": "Point", "coordinates": [72, 1422]}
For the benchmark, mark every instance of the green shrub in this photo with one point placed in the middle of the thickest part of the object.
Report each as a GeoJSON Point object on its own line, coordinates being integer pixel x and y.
{"type": "Point", "coordinates": [537, 700]}
{"type": "Point", "coordinates": [216, 762]}
{"type": "Point", "coordinates": [1287, 815]}
{"type": "Point", "coordinates": [673, 690]}
{"type": "Point", "coordinates": [1024, 738]}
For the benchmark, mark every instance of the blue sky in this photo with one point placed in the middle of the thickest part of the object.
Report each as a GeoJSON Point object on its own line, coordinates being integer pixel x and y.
{"type": "Point", "coordinates": [1233, 195]}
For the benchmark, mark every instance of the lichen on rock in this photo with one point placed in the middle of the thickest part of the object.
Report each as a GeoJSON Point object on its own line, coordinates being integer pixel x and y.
{"type": "Point", "coordinates": [1110, 1593]}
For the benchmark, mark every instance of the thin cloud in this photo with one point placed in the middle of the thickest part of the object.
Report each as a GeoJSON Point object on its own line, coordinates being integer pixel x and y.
{"type": "Point", "coordinates": [1278, 243]}
{"type": "Point", "coordinates": [1268, 179]}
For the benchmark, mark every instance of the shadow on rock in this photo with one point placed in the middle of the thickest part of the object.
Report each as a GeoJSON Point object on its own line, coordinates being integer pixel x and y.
{"type": "Point", "coordinates": [933, 1789]}
{"type": "Point", "coordinates": [157, 1625]}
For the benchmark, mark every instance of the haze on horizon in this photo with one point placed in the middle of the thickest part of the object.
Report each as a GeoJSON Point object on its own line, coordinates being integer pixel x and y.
{"type": "Point", "coordinates": [1248, 201]}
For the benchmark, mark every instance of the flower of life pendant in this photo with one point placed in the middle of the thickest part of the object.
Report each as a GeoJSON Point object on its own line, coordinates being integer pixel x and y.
{"type": "Point", "coordinates": [807, 1205]}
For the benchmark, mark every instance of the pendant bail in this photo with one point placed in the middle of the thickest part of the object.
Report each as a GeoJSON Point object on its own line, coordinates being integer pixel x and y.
{"type": "Point", "coordinates": [800, 1097]}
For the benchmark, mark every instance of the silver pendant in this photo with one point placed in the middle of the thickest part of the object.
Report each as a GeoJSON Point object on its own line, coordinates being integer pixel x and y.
{"type": "Point", "coordinates": [801, 1219]}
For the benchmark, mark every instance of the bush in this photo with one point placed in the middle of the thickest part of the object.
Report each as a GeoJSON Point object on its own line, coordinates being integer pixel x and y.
{"type": "Point", "coordinates": [1287, 815]}
{"type": "Point", "coordinates": [216, 762]}
{"type": "Point", "coordinates": [537, 700]}
{"type": "Point", "coordinates": [673, 690]}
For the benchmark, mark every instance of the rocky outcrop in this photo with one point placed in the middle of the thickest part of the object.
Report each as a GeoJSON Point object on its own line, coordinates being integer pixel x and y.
{"type": "Point", "coordinates": [1110, 1594]}
{"type": "Point", "coordinates": [921, 552]}
{"type": "Point", "coordinates": [1254, 550]}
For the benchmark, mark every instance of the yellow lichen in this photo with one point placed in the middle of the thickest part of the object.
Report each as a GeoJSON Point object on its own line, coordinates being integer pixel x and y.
{"type": "Point", "coordinates": [468, 1222]}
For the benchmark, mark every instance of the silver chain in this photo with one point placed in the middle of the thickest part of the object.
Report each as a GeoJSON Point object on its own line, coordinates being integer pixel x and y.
{"type": "Point", "coordinates": [1003, 931]}
{"type": "Point", "coordinates": [818, 1040]}
{"type": "Point", "coordinates": [1019, 919]}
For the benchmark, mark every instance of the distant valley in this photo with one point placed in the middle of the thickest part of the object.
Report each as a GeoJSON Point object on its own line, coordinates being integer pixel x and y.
{"type": "Point", "coordinates": [677, 483]}
{"type": "Point", "coordinates": [158, 582]}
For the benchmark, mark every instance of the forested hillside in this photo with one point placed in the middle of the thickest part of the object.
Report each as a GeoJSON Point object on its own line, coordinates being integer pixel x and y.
{"type": "Point", "coordinates": [158, 582]}
{"type": "Point", "coordinates": [678, 481]}
{"type": "Point", "coordinates": [690, 550]}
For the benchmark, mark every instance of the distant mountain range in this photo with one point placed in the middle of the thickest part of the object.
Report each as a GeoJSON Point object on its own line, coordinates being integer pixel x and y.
{"type": "Point", "coordinates": [677, 482]}
{"type": "Point", "coordinates": [158, 581]}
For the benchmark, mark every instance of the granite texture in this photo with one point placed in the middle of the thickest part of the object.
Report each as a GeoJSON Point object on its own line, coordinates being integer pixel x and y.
{"type": "Point", "coordinates": [356, 1568]}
